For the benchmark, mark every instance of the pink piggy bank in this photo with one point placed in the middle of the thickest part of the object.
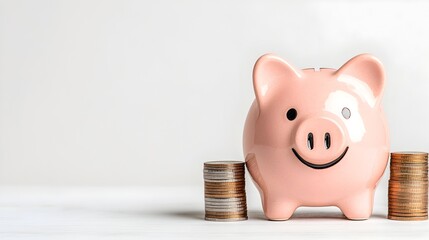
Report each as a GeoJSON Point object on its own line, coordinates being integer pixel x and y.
{"type": "Point", "coordinates": [317, 137]}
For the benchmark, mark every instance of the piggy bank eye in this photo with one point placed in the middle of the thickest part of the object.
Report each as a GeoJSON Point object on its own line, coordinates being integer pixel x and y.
{"type": "Point", "coordinates": [291, 114]}
{"type": "Point", "coordinates": [346, 113]}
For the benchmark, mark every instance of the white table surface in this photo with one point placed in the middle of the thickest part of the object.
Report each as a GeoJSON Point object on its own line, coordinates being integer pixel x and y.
{"type": "Point", "coordinates": [171, 213]}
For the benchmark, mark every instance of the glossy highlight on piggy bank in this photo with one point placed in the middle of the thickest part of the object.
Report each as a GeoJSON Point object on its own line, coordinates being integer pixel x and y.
{"type": "Point", "coordinates": [317, 137]}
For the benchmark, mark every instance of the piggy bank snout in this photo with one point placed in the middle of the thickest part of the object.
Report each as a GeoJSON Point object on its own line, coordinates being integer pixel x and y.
{"type": "Point", "coordinates": [320, 140]}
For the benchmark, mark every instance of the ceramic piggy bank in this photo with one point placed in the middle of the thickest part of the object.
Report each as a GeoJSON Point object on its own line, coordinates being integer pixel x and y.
{"type": "Point", "coordinates": [317, 137]}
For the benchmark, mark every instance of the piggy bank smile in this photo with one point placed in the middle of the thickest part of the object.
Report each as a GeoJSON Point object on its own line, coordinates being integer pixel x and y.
{"type": "Point", "coordinates": [320, 166]}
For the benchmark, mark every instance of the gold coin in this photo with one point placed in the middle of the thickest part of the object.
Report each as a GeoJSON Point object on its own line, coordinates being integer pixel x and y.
{"type": "Point", "coordinates": [398, 156]}
{"type": "Point", "coordinates": [404, 187]}
{"type": "Point", "coordinates": [407, 211]}
{"type": "Point", "coordinates": [407, 201]}
{"type": "Point", "coordinates": [224, 174]}
{"type": "Point", "coordinates": [414, 203]}
{"type": "Point", "coordinates": [407, 183]}
{"type": "Point", "coordinates": [224, 192]}
{"type": "Point", "coordinates": [408, 198]}
{"type": "Point", "coordinates": [392, 217]}
{"type": "Point", "coordinates": [409, 214]}
{"type": "Point", "coordinates": [409, 153]}
{"type": "Point", "coordinates": [408, 206]}
{"type": "Point", "coordinates": [417, 187]}
{"type": "Point", "coordinates": [406, 158]}
{"type": "Point", "coordinates": [217, 165]}
{"type": "Point", "coordinates": [208, 215]}
{"type": "Point", "coordinates": [410, 166]}
{"type": "Point", "coordinates": [408, 178]}
{"type": "Point", "coordinates": [409, 171]}
{"type": "Point", "coordinates": [220, 192]}
{"type": "Point", "coordinates": [226, 179]}
{"type": "Point", "coordinates": [239, 217]}
{"type": "Point", "coordinates": [408, 190]}
{"type": "Point", "coordinates": [233, 181]}
{"type": "Point", "coordinates": [226, 219]}
{"type": "Point", "coordinates": [423, 198]}
{"type": "Point", "coordinates": [224, 186]}
{"type": "Point", "coordinates": [409, 161]}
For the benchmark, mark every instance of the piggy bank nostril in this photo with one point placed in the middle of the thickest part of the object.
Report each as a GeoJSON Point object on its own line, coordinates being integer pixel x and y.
{"type": "Point", "coordinates": [310, 141]}
{"type": "Point", "coordinates": [327, 140]}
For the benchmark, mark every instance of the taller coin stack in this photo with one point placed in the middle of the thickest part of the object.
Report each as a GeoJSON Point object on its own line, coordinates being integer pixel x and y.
{"type": "Point", "coordinates": [224, 191]}
{"type": "Point", "coordinates": [408, 186]}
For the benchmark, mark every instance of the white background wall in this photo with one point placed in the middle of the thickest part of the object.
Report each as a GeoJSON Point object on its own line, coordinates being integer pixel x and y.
{"type": "Point", "coordinates": [143, 92]}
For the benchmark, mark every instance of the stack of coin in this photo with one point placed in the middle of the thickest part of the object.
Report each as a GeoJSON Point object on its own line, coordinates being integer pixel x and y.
{"type": "Point", "coordinates": [224, 191]}
{"type": "Point", "coordinates": [408, 186]}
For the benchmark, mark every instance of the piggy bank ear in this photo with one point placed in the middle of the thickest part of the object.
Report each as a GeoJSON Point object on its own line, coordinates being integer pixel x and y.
{"type": "Point", "coordinates": [271, 74]}
{"type": "Point", "coordinates": [367, 69]}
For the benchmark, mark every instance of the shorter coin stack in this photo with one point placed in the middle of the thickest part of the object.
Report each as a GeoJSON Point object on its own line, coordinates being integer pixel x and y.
{"type": "Point", "coordinates": [224, 191]}
{"type": "Point", "coordinates": [408, 186]}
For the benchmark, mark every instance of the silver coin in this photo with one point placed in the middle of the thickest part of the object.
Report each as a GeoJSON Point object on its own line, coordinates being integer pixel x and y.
{"type": "Point", "coordinates": [225, 177]}
{"type": "Point", "coordinates": [237, 204]}
{"type": "Point", "coordinates": [228, 180]}
{"type": "Point", "coordinates": [231, 209]}
{"type": "Point", "coordinates": [225, 205]}
{"type": "Point", "coordinates": [226, 208]}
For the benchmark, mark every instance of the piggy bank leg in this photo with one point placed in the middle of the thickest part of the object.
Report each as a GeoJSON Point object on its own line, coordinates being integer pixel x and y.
{"type": "Point", "coordinates": [359, 206]}
{"type": "Point", "coordinates": [278, 209]}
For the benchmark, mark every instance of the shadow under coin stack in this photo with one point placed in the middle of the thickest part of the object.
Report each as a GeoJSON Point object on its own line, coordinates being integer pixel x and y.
{"type": "Point", "coordinates": [408, 186]}
{"type": "Point", "coordinates": [224, 191]}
